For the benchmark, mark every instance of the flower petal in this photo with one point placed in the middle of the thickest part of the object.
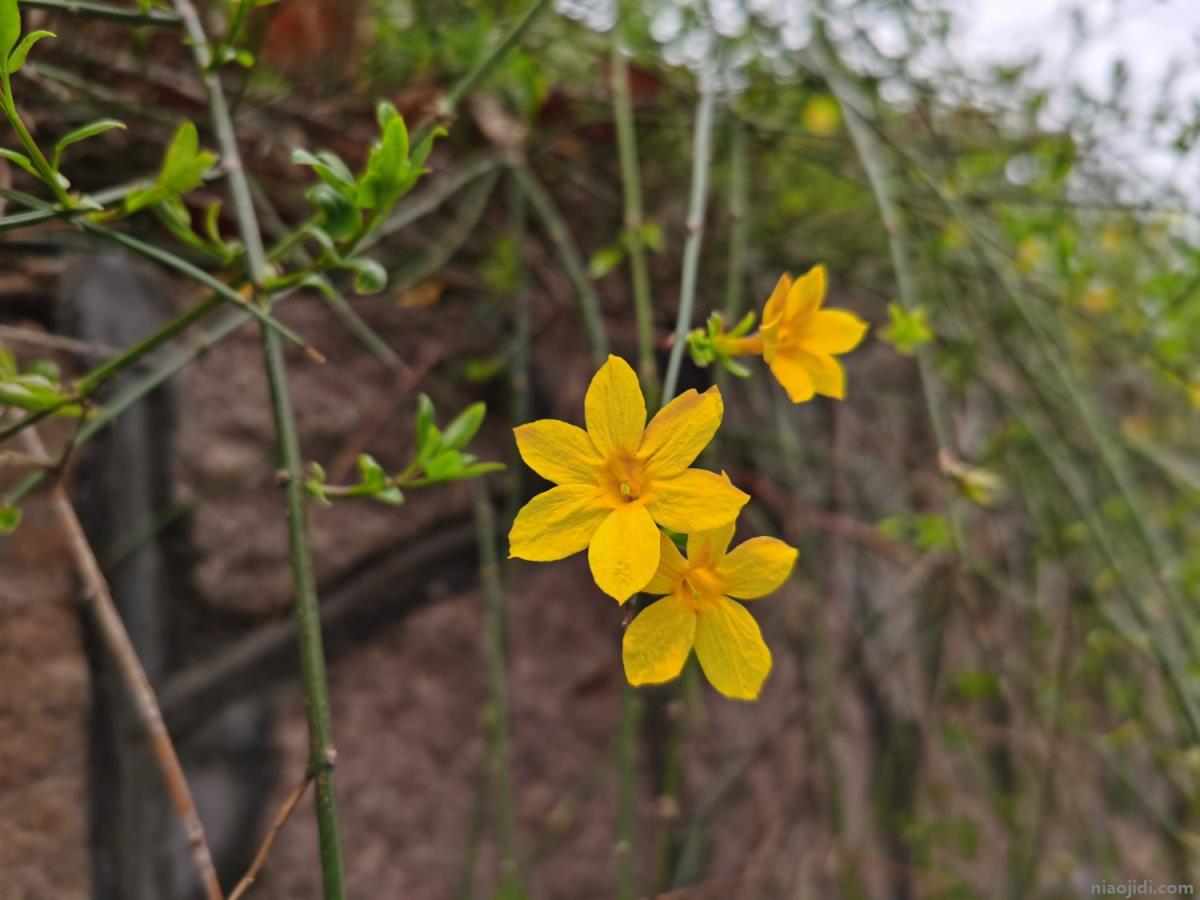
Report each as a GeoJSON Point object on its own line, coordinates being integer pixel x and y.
{"type": "Point", "coordinates": [774, 307]}
{"type": "Point", "coordinates": [806, 295]}
{"type": "Point", "coordinates": [792, 374]}
{"type": "Point", "coordinates": [671, 566]}
{"type": "Point", "coordinates": [825, 372]}
{"type": "Point", "coordinates": [557, 523]}
{"type": "Point", "coordinates": [707, 547]}
{"type": "Point", "coordinates": [682, 428]}
{"type": "Point", "coordinates": [624, 551]}
{"type": "Point", "coordinates": [558, 451]}
{"type": "Point", "coordinates": [658, 641]}
{"type": "Point", "coordinates": [833, 331]}
{"type": "Point", "coordinates": [731, 649]}
{"type": "Point", "coordinates": [756, 567]}
{"type": "Point", "coordinates": [694, 500]}
{"type": "Point", "coordinates": [615, 409]}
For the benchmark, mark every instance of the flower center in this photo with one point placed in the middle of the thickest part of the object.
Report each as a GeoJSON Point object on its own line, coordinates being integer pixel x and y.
{"type": "Point", "coordinates": [700, 587]}
{"type": "Point", "coordinates": [624, 478]}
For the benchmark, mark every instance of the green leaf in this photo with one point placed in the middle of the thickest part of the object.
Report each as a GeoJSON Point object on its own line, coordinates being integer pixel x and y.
{"type": "Point", "coordinates": [10, 518]}
{"type": "Point", "coordinates": [17, 58]}
{"type": "Point", "coordinates": [374, 478]}
{"type": "Point", "coordinates": [464, 427]}
{"type": "Point", "coordinates": [429, 439]}
{"type": "Point", "coordinates": [21, 160]}
{"type": "Point", "coordinates": [385, 112]}
{"type": "Point", "coordinates": [444, 466]}
{"type": "Point", "coordinates": [339, 217]}
{"type": "Point", "coordinates": [604, 261]}
{"type": "Point", "coordinates": [10, 28]}
{"type": "Point", "coordinates": [184, 164]}
{"type": "Point", "coordinates": [369, 276]}
{"type": "Point", "coordinates": [82, 134]}
{"type": "Point", "coordinates": [330, 169]}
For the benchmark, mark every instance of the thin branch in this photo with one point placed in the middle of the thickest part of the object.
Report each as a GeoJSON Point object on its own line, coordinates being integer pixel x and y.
{"type": "Point", "coordinates": [449, 104]}
{"type": "Point", "coordinates": [99, 600]}
{"type": "Point", "coordinates": [631, 183]}
{"type": "Point", "coordinates": [281, 817]}
{"type": "Point", "coordinates": [322, 755]}
{"type": "Point", "coordinates": [92, 9]}
{"type": "Point", "coordinates": [701, 152]}
{"type": "Point", "coordinates": [569, 257]}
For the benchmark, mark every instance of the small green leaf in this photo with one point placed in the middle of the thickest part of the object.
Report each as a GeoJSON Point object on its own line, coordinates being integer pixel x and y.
{"type": "Point", "coordinates": [82, 134]}
{"type": "Point", "coordinates": [604, 261]}
{"type": "Point", "coordinates": [464, 427]}
{"type": "Point", "coordinates": [385, 112]}
{"type": "Point", "coordinates": [21, 160]}
{"type": "Point", "coordinates": [429, 439]}
{"type": "Point", "coordinates": [10, 518]}
{"type": "Point", "coordinates": [184, 164]}
{"type": "Point", "coordinates": [17, 58]}
{"type": "Point", "coordinates": [369, 276]}
{"type": "Point", "coordinates": [444, 465]}
{"type": "Point", "coordinates": [392, 496]}
{"type": "Point", "coordinates": [374, 478]}
{"type": "Point", "coordinates": [330, 169]}
{"type": "Point", "coordinates": [339, 217]}
{"type": "Point", "coordinates": [10, 27]}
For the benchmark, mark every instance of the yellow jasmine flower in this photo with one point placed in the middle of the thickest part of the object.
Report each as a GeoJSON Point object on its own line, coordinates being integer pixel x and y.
{"type": "Point", "coordinates": [698, 612]}
{"type": "Point", "coordinates": [620, 477]}
{"type": "Point", "coordinates": [799, 340]}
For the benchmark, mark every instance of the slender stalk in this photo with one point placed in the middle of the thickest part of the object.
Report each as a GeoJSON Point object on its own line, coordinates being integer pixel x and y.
{"type": "Point", "coordinates": [95, 10]}
{"type": "Point", "coordinates": [735, 276]}
{"type": "Point", "coordinates": [175, 263]}
{"type": "Point", "coordinates": [627, 790]}
{"type": "Point", "coordinates": [449, 103]}
{"type": "Point", "coordinates": [881, 178]}
{"type": "Point", "coordinates": [631, 182]}
{"type": "Point", "coordinates": [281, 817]}
{"type": "Point", "coordinates": [701, 151]}
{"type": "Point", "coordinates": [569, 256]}
{"type": "Point", "coordinates": [322, 755]}
{"type": "Point", "coordinates": [497, 714]}
{"type": "Point", "coordinates": [99, 600]}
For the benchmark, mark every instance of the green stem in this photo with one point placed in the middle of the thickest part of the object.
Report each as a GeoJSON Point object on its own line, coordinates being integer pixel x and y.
{"type": "Point", "coordinates": [880, 176]}
{"type": "Point", "coordinates": [631, 182]}
{"type": "Point", "coordinates": [627, 791]}
{"type": "Point", "coordinates": [232, 30]}
{"type": "Point", "coordinates": [497, 714]}
{"type": "Point", "coordinates": [322, 755]}
{"type": "Point", "coordinates": [701, 151]}
{"type": "Point", "coordinates": [570, 257]}
{"type": "Point", "coordinates": [449, 103]}
{"type": "Point", "coordinates": [95, 10]}
{"type": "Point", "coordinates": [127, 397]}
{"type": "Point", "coordinates": [735, 278]}
{"type": "Point", "coordinates": [47, 173]}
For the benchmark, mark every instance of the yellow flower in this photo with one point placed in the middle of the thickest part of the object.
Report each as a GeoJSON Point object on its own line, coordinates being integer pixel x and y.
{"type": "Point", "coordinates": [618, 478]}
{"type": "Point", "coordinates": [698, 612]}
{"type": "Point", "coordinates": [799, 340]}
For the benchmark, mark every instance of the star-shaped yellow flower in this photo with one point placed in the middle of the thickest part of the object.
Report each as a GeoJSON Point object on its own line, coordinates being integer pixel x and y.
{"type": "Point", "coordinates": [698, 612]}
{"type": "Point", "coordinates": [800, 339]}
{"type": "Point", "coordinates": [618, 478]}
